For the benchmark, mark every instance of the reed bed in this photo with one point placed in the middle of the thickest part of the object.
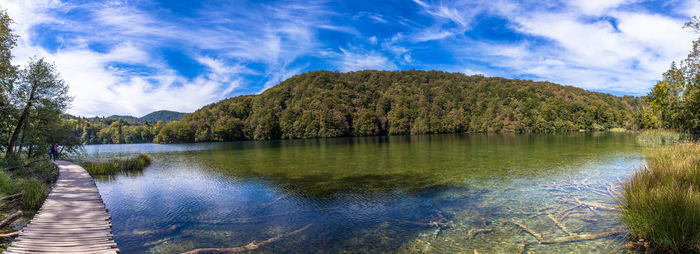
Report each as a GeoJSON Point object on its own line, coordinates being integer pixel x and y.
{"type": "Point", "coordinates": [661, 202]}
{"type": "Point", "coordinates": [662, 137]}
{"type": "Point", "coordinates": [114, 166]}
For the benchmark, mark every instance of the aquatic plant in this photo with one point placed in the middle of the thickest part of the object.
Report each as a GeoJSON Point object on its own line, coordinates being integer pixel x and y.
{"type": "Point", "coordinates": [662, 137]}
{"type": "Point", "coordinates": [618, 130]}
{"type": "Point", "coordinates": [114, 166]}
{"type": "Point", "coordinates": [661, 202]}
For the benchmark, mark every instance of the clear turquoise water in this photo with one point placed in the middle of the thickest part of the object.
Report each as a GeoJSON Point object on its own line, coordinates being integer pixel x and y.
{"type": "Point", "coordinates": [407, 194]}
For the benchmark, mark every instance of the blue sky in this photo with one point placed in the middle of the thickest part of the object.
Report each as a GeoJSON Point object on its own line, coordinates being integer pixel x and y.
{"type": "Point", "coordinates": [133, 57]}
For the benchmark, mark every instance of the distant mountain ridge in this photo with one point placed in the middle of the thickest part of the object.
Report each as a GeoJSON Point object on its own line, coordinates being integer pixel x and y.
{"type": "Point", "coordinates": [155, 116]}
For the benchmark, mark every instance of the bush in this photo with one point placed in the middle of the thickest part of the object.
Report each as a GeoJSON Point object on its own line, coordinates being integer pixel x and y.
{"type": "Point", "coordinates": [661, 203]}
{"type": "Point", "coordinates": [114, 166]}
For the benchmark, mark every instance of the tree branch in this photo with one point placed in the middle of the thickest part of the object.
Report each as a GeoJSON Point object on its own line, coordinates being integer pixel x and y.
{"type": "Point", "coordinates": [10, 219]}
{"type": "Point", "coordinates": [13, 195]}
{"type": "Point", "coordinates": [248, 247]}
{"type": "Point", "coordinates": [25, 165]}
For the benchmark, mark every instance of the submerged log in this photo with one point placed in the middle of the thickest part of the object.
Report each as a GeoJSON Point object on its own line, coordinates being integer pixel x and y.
{"type": "Point", "coordinates": [10, 219]}
{"type": "Point", "coordinates": [13, 195]}
{"type": "Point", "coordinates": [248, 247]}
{"type": "Point", "coordinates": [582, 237]}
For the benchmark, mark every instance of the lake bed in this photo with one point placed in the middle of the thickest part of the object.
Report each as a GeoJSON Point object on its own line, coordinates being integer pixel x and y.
{"type": "Point", "coordinates": [408, 194]}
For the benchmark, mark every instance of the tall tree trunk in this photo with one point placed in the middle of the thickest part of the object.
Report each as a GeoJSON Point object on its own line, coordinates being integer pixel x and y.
{"type": "Point", "coordinates": [21, 141]}
{"type": "Point", "coordinates": [20, 122]}
{"type": "Point", "coordinates": [29, 152]}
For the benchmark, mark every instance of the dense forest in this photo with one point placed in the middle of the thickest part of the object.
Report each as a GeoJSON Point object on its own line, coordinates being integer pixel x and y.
{"type": "Point", "coordinates": [120, 129]}
{"type": "Point", "coordinates": [111, 130]}
{"type": "Point", "coordinates": [333, 104]}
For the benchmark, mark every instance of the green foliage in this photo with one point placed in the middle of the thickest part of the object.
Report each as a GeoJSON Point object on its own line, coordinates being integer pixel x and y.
{"type": "Point", "coordinates": [111, 130]}
{"type": "Point", "coordinates": [661, 203]}
{"type": "Point", "coordinates": [325, 104]}
{"type": "Point", "coordinates": [116, 165]}
{"type": "Point", "coordinates": [8, 74]}
{"type": "Point", "coordinates": [676, 98]}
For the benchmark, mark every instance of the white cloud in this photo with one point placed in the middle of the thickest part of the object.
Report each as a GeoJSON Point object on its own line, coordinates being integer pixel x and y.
{"type": "Point", "coordinates": [353, 61]}
{"type": "Point", "coordinates": [600, 45]}
{"type": "Point", "coordinates": [101, 86]}
{"type": "Point", "coordinates": [597, 7]}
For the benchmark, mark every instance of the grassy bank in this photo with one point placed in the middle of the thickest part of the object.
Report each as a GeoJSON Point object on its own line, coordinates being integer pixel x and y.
{"type": "Point", "coordinates": [33, 180]}
{"type": "Point", "coordinates": [661, 203]}
{"type": "Point", "coordinates": [23, 189]}
{"type": "Point", "coordinates": [117, 165]}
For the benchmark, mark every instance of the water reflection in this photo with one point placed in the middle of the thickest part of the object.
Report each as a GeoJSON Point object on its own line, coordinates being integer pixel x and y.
{"type": "Point", "coordinates": [430, 193]}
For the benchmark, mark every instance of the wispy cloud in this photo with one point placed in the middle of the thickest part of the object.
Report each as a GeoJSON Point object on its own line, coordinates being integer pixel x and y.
{"type": "Point", "coordinates": [132, 57]}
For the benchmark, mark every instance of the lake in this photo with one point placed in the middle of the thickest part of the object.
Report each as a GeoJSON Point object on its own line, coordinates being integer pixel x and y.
{"type": "Point", "coordinates": [405, 194]}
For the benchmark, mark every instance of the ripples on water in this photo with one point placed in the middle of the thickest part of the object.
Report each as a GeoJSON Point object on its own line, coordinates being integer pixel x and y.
{"type": "Point", "coordinates": [435, 193]}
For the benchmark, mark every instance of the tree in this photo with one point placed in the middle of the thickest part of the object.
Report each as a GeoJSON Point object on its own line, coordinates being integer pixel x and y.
{"type": "Point", "coordinates": [7, 76]}
{"type": "Point", "coordinates": [39, 88]}
{"type": "Point", "coordinates": [676, 98]}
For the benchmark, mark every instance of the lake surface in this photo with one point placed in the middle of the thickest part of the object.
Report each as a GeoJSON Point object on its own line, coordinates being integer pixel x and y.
{"type": "Point", "coordinates": [406, 194]}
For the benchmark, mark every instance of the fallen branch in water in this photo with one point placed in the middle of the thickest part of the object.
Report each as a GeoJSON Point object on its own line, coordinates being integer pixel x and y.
{"type": "Point", "coordinates": [437, 224]}
{"type": "Point", "coordinates": [248, 247]}
{"type": "Point", "coordinates": [11, 234]}
{"type": "Point", "coordinates": [25, 165]}
{"type": "Point", "coordinates": [12, 196]}
{"type": "Point", "coordinates": [591, 205]}
{"type": "Point", "coordinates": [526, 229]}
{"type": "Point", "coordinates": [560, 225]}
{"type": "Point", "coordinates": [10, 219]}
{"type": "Point", "coordinates": [277, 199]}
{"type": "Point", "coordinates": [155, 231]}
{"type": "Point", "coordinates": [582, 237]}
{"type": "Point", "coordinates": [475, 231]}
{"type": "Point", "coordinates": [565, 239]}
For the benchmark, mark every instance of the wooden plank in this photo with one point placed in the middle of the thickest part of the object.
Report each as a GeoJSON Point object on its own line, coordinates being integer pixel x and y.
{"type": "Point", "coordinates": [73, 219]}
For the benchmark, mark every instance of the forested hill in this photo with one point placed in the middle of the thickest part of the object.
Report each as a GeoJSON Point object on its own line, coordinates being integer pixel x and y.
{"type": "Point", "coordinates": [153, 117]}
{"type": "Point", "coordinates": [332, 104]}
{"type": "Point", "coordinates": [161, 115]}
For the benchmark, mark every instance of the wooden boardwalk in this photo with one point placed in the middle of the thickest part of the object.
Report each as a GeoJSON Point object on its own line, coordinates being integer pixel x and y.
{"type": "Point", "coordinates": [73, 218]}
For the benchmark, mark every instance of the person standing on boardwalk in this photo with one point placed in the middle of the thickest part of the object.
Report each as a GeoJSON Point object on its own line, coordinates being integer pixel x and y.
{"type": "Point", "coordinates": [54, 152]}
